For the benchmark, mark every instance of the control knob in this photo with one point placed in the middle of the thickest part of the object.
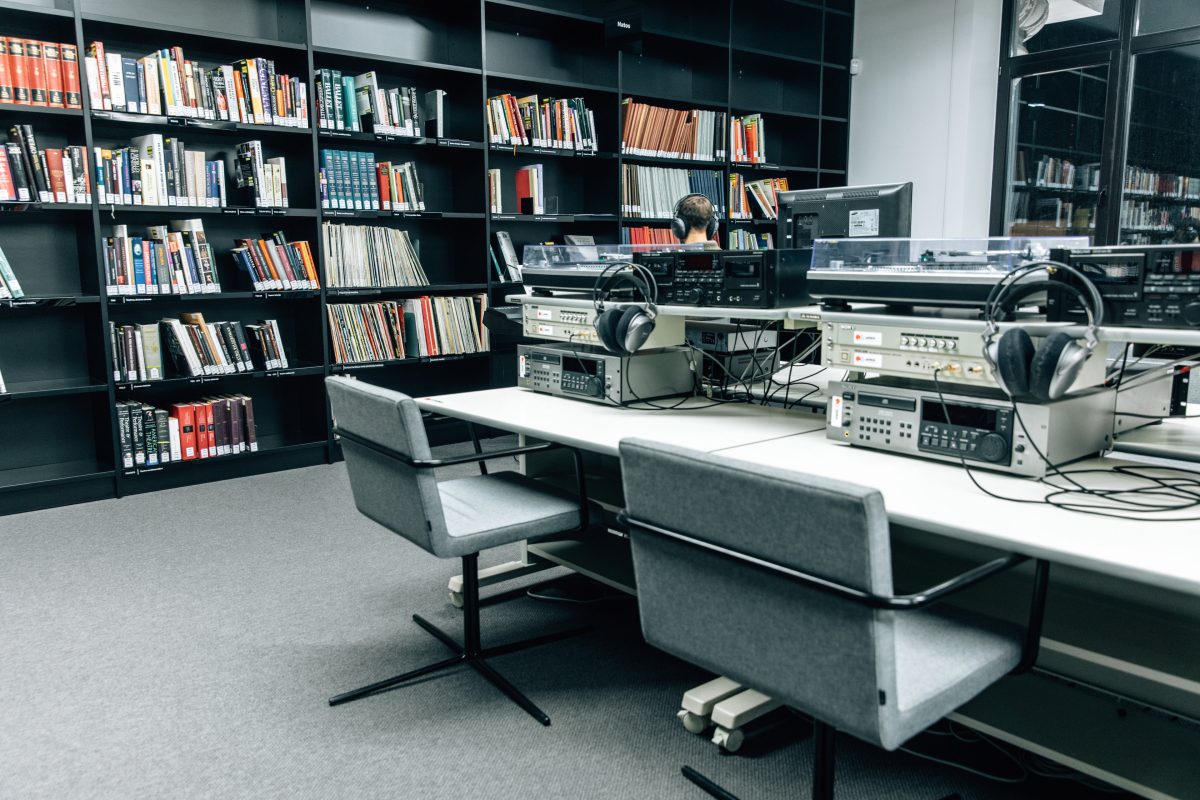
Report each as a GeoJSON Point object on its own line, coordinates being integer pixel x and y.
{"type": "Point", "coordinates": [1191, 313]}
{"type": "Point", "coordinates": [993, 447]}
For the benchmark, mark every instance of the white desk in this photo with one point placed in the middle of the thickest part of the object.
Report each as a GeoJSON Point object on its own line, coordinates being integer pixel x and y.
{"type": "Point", "coordinates": [940, 498]}
{"type": "Point", "coordinates": [599, 428]}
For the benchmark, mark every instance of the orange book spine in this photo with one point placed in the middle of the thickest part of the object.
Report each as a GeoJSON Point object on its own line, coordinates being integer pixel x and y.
{"type": "Point", "coordinates": [53, 67]}
{"type": "Point", "coordinates": [6, 83]}
{"type": "Point", "coordinates": [35, 70]}
{"type": "Point", "coordinates": [19, 70]}
{"type": "Point", "coordinates": [72, 93]}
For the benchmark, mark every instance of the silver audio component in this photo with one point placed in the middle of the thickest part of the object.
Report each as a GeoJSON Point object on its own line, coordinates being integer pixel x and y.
{"type": "Point", "coordinates": [918, 347]}
{"type": "Point", "coordinates": [589, 373]}
{"type": "Point", "coordinates": [575, 322]}
{"type": "Point", "coordinates": [982, 430]}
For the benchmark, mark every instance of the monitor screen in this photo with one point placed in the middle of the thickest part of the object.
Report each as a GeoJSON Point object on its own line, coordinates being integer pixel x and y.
{"type": "Point", "coordinates": [845, 212]}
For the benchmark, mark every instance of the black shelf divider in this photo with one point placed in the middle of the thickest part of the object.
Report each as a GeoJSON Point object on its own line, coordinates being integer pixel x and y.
{"type": "Point", "coordinates": [473, 51]}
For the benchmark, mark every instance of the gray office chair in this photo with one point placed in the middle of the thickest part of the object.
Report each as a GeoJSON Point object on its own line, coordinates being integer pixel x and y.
{"type": "Point", "coordinates": [391, 475]}
{"type": "Point", "coordinates": [783, 581]}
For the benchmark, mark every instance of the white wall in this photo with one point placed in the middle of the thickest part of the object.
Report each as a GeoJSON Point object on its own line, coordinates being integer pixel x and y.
{"type": "Point", "coordinates": [924, 107]}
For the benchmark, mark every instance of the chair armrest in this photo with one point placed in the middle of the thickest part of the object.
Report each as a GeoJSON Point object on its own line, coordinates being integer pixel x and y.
{"type": "Point", "coordinates": [432, 463]}
{"type": "Point", "coordinates": [904, 602]}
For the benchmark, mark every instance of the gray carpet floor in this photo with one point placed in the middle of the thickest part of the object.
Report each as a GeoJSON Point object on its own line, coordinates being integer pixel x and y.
{"type": "Point", "coordinates": [183, 644]}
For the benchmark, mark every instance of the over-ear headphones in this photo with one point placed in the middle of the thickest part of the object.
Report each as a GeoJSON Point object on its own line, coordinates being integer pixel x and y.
{"type": "Point", "coordinates": [624, 329]}
{"type": "Point", "coordinates": [681, 228]}
{"type": "Point", "coordinates": [1044, 372]}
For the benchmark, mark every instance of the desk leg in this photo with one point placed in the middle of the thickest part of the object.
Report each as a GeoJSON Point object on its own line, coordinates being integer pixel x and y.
{"type": "Point", "coordinates": [527, 565]}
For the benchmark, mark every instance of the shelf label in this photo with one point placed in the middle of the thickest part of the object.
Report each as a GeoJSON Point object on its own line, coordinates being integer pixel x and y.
{"type": "Point", "coordinates": [453, 143]}
{"type": "Point", "coordinates": [281, 373]}
{"type": "Point", "coordinates": [338, 134]}
{"type": "Point", "coordinates": [136, 299]}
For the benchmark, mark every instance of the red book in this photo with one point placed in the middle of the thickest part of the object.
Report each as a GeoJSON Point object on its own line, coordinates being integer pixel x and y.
{"type": "Point", "coordinates": [186, 414]}
{"type": "Point", "coordinates": [210, 431]}
{"type": "Point", "coordinates": [35, 72]}
{"type": "Point", "coordinates": [7, 190]}
{"type": "Point", "coordinates": [524, 191]}
{"type": "Point", "coordinates": [18, 70]}
{"type": "Point", "coordinates": [430, 334]}
{"type": "Point", "coordinates": [52, 66]}
{"type": "Point", "coordinates": [383, 171]}
{"type": "Point", "coordinates": [58, 181]}
{"type": "Point", "coordinates": [68, 54]}
{"type": "Point", "coordinates": [6, 84]}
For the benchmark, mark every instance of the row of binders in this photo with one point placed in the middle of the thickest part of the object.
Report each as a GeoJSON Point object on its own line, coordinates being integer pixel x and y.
{"type": "Point", "coordinates": [747, 144]}
{"type": "Point", "coordinates": [413, 328]}
{"type": "Point", "coordinates": [646, 235]}
{"type": "Point", "coordinates": [653, 192]}
{"type": "Point", "coordinates": [355, 181]}
{"type": "Point", "coordinates": [160, 171]}
{"type": "Point", "coordinates": [33, 174]}
{"type": "Point", "coordinates": [370, 256]}
{"type": "Point", "coordinates": [673, 133]}
{"type": "Point", "coordinates": [164, 82]}
{"type": "Point", "coordinates": [749, 240]}
{"type": "Point", "coordinates": [37, 73]}
{"type": "Point", "coordinates": [175, 258]}
{"type": "Point", "coordinates": [214, 426]}
{"type": "Point", "coordinates": [747, 197]}
{"type": "Point", "coordinates": [277, 264]}
{"type": "Point", "coordinates": [359, 103]}
{"type": "Point", "coordinates": [566, 124]}
{"type": "Point", "coordinates": [196, 348]}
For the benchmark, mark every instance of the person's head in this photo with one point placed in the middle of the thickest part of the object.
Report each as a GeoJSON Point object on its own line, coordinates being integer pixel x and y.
{"type": "Point", "coordinates": [696, 211]}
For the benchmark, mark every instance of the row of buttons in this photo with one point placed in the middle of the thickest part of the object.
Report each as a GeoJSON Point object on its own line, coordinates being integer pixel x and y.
{"type": "Point", "coordinates": [1192, 289]}
{"type": "Point", "coordinates": [948, 444]}
{"type": "Point", "coordinates": [922, 341]}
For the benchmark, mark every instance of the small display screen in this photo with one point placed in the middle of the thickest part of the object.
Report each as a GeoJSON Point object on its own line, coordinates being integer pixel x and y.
{"type": "Point", "coordinates": [1124, 270]}
{"type": "Point", "coordinates": [697, 261]}
{"type": "Point", "coordinates": [583, 366]}
{"type": "Point", "coordinates": [964, 416]}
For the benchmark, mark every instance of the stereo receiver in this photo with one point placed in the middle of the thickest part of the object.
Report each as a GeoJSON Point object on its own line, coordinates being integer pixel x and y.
{"type": "Point", "coordinates": [918, 347]}
{"type": "Point", "coordinates": [985, 431]}
{"type": "Point", "coordinates": [734, 278]}
{"type": "Point", "coordinates": [1143, 286]}
{"type": "Point", "coordinates": [589, 373]}
{"type": "Point", "coordinates": [561, 320]}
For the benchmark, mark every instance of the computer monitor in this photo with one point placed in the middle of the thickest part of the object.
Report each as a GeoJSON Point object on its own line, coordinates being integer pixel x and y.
{"type": "Point", "coordinates": [844, 212]}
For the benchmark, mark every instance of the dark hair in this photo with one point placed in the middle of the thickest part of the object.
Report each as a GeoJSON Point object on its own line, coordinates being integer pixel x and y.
{"type": "Point", "coordinates": [696, 212]}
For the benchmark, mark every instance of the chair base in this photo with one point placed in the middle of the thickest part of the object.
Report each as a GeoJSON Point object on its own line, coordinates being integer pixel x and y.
{"type": "Point", "coordinates": [470, 652]}
{"type": "Point", "coordinates": [476, 661]}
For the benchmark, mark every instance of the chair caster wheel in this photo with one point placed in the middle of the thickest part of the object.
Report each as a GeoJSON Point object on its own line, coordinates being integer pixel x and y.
{"type": "Point", "coordinates": [729, 741]}
{"type": "Point", "coordinates": [692, 723]}
{"type": "Point", "coordinates": [456, 599]}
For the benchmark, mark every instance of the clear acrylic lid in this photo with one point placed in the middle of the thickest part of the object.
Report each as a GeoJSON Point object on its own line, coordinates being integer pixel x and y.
{"type": "Point", "coordinates": [937, 256]}
{"type": "Point", "coordinates": [578, 255]}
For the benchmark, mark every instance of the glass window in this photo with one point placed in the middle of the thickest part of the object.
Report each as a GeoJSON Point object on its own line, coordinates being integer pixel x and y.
{"type": "Point", "coordinates": [1054, 168]}
{"type": "Point", "coordinates": [1040, 25]}
{"type": "Point", "coordinates": [1160, 199]}
{"type": "Point", "coordinates": [1167, 15]}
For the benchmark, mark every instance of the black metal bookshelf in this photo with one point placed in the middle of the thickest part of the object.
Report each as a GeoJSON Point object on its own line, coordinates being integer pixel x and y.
{"type": "Point", "coordinates": [785, 59]}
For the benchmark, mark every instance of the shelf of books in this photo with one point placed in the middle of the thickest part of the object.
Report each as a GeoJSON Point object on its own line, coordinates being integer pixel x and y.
{"type": "Point", "coordinates": [203, 215]}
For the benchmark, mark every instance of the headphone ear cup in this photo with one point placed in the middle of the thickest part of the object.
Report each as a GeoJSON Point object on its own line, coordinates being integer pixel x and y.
{"type": "Point", "coordinates": [638, 329]}
{"type": "Point", "coordinates": [606, 328]}
{"type": "Point", "coordinates": [711, 230]}
{"type": "Point", "coordinates": [621, 332]}
{"type": "Point", "coordinates": [1055, 366]}
{"type": "Point", "coordinates": [1014, 351]}
{"type": "Point", "coordinates": [678, 228]}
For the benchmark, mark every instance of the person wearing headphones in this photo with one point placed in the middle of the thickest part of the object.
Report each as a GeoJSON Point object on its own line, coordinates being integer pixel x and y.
{"type": "Point", "coordinates": [699, 221]}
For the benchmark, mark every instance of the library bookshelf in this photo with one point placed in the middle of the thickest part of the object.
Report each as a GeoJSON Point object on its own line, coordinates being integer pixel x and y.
{"type": "Point", "coordinates": [59, 438]}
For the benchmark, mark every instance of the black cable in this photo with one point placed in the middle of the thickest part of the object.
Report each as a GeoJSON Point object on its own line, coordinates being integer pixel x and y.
{"type": "Point", "coordinates": [1180, 491]}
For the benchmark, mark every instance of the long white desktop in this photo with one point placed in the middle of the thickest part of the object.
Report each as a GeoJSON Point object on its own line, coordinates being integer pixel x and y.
{"type": "Point", "coordinates": [1121, 651]}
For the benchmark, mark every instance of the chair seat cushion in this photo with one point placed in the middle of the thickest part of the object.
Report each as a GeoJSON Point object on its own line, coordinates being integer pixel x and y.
{"type": "Point", "coordinates": [944, 657]}
{"type": "Point", "coordinates": [485, 511]}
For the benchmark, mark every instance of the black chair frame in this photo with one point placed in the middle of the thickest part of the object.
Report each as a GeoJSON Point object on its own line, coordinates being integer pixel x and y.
{"type": "Point", "coordinates": [824, 734]}
{"type": "Point", "coordinates": [471, 651]}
